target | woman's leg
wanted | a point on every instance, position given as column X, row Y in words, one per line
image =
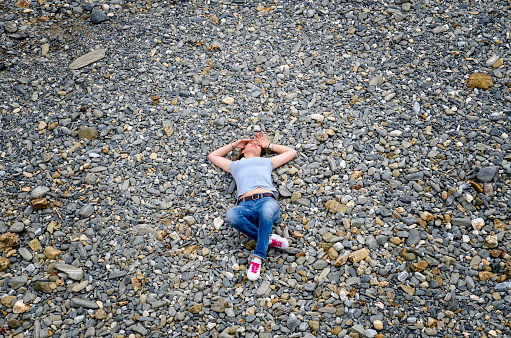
column 244, row 219
column 268, row 212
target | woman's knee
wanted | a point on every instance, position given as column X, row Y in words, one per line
column 232, row 216
column 271, row 210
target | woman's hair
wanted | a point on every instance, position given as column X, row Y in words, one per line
column 240, row 155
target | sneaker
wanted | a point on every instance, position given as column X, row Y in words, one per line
column 278, row 242
column 254, row 269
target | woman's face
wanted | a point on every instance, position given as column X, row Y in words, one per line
column 252, row 148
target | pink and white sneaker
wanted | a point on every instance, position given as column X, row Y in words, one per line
column 278, row 242
column 254, row 269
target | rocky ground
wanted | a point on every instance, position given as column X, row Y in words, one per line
column 397, row 205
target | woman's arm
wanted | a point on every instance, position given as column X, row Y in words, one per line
column 217, row 156
column 286, row 154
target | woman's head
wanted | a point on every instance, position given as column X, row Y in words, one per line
column 251, row 149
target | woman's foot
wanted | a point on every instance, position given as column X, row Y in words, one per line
column 254, row 269
column 278, row 242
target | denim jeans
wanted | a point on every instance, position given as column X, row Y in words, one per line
column 255, row 219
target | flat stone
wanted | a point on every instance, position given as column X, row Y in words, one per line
column 413, row 237
column 358, row 329
column 466, row 222
column 7, row 301
column 45, row 287
column 320, row 264
column 117, row 274
column 72, row 272
column 80, row 286
column 40, row 203
column 10, row 26
column 18, row 281
column 86, row 211
column 39, row 192
column 27, row 255
column 51, row 253
column 491, row 61
column 487, row 174
column 263, row 289
column 88, row 304
column 440, row 29
column 17, row 227
column 88, row 58
column 139, row 328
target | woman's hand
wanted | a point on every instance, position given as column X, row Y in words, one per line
column 241, row 143
column 261, row 140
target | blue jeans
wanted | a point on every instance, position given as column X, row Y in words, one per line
column 255, row 219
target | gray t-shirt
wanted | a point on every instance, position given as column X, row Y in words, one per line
column 251, row 173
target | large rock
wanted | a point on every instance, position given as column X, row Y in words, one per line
column 8, row 241
column 479, row 81
column 18, row 281
column 487, row 174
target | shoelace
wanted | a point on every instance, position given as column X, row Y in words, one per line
column 275, row 242
column 254, row 267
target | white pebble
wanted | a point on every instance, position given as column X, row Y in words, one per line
column 218, row 222
column 478, row 223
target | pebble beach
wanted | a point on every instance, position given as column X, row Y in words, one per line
column 397, row 207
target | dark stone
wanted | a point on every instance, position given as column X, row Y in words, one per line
column 486, row 174
column 98, row 17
